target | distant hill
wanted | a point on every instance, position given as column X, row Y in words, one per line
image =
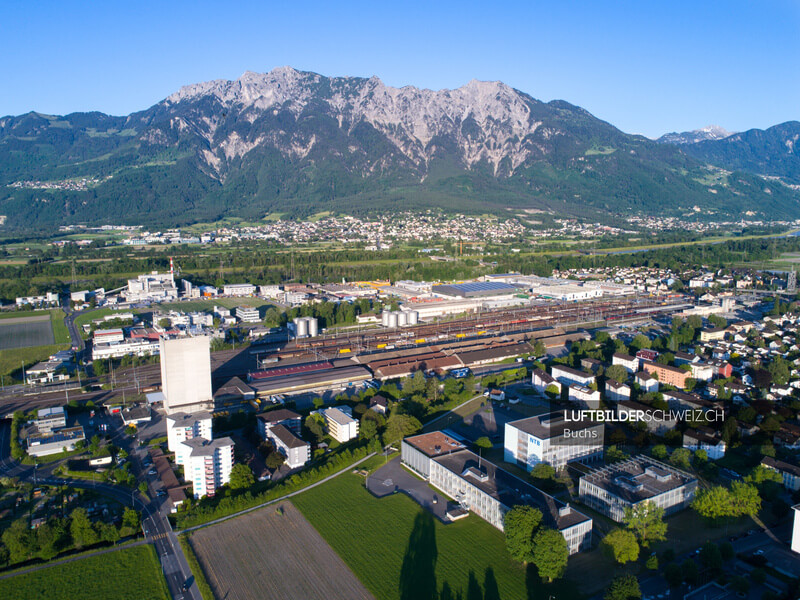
column 712, row 132
column 296, row 143
column 773, row 152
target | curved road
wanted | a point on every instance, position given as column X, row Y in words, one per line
column 155, row 523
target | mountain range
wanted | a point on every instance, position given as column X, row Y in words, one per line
column 296, row 143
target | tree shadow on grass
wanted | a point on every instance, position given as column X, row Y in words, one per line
column 418, row 573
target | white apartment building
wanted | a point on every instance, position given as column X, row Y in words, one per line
column 568, row 376
column 584, row 397
column 553, row 438
column 541, row 380
column 185, row 426
column 630, row 363
column 617, row 392
column 239, row 289
column 207, row 464
column 247, row 314
column 706, row 439
column 296, row 451
column 341, row 426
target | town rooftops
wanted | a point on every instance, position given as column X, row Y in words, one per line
column 779, row 465
column 278, row 416
column 550, row 425
column 234, row 387
column 703, row 435
column 508, row 489
column 639, row 478
column 203, row 447
column 52, row 412
column 571, row 371
column 183, row 419
column 435, row 443
column 625, row 357
column 289, row 439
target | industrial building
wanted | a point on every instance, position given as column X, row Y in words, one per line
column 487, row 490
column 186, row 374
column 44, row 444
column 554, row 438
column 153, row 287
column 614, row 488
column 475, row 289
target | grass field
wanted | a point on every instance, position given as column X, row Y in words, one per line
column 240, row 556
column 36, row 331
column 83, row 319
column 60, row 331
column 130, row 574
column 11, row 360
column 375, row 538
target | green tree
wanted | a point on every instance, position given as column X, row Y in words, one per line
column 241, row 477
column 710, row 556
column 318, row 403
column 673, row 575
column 624, row 587
column 543, row 471
column 368, row 429
column 621, row 545
column 550, row 554
column 19, row 540
column 690, row 571
column 400, row 426
column 745, row 499
column 316, row 426
column 659, row 451
column 646, row 521
column 130, row 519
column 652, row 562
column 681, row 457
column 617, row 373
column 109, row 533
column 484, row 443
column 520, row 525
column 274, row 460
column 713, row 503
column 81, row 529
column 552, row 391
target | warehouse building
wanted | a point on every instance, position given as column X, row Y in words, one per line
column 475, row 289
column 417, row 451
column 613, row 489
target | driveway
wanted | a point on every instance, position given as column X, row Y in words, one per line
column 393, row 478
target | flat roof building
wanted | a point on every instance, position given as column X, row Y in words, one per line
column 475, row 289
column 341, row 426
column 490, row 492
column 554, row 438
column 614, row 488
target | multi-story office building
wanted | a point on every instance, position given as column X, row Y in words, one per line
column 555, row 438
column 490, row 492
column 613, row 489
column 247, row 314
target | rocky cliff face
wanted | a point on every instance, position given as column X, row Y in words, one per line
column 482, row 121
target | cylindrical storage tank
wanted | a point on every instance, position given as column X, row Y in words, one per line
column 301, row 327
column 313, row 327
column 402, row 318
column 385, row 318
column 413, row 317
column 392, row 320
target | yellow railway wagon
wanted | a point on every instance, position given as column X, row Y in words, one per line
column 344, row 351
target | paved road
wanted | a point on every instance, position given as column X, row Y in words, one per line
column 155, row 523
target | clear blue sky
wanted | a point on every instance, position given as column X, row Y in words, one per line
column 646, row 66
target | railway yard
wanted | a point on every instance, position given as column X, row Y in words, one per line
column 336, row 361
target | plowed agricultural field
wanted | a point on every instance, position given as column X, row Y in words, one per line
column 267, row 555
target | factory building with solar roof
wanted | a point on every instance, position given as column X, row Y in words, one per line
column 475, row 289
